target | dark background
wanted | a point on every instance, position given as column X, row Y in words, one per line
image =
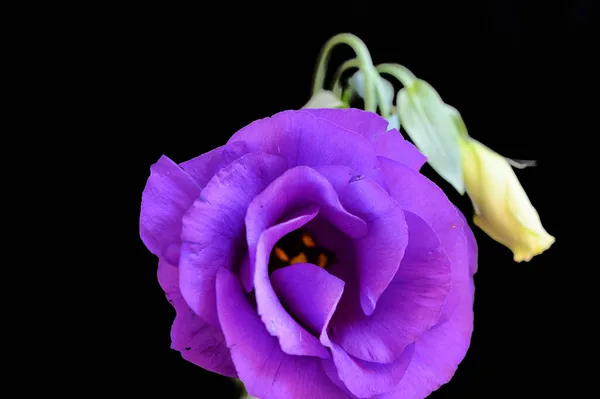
column 516, row 70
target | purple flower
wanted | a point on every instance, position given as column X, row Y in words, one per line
column 310, row 258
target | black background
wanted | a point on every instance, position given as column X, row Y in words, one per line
column 516, row 70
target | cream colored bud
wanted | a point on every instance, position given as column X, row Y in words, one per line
column 502, row 208
column 324, row 99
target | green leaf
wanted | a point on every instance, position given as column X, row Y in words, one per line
column 430, row 124
column 458, row 121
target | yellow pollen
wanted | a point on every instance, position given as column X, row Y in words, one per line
column 322, row 260
column 308, row 241
column 281, row 255
column 300, row 258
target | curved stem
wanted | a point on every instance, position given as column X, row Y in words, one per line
column 355, row 63
column 346, row 96
column 337, row 85
column 364, row 59
column 398, row 71
column 383, row 106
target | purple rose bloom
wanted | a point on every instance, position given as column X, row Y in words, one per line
column 309, row 258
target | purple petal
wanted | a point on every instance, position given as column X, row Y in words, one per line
column 293, row 338
column 213, row 228
column 267, row 372
column 365, row 379
column 439, row 350
column 246, row 274
column 416, row 194
column 304, row 139
column 232, row 152
column 379, row 253
column 438, row 353
column 197, row 341
column 309, row 293
column 295, row 189
column 392, row 145
column 168, row 194
column 411, row 305
column 203, row 167
column 332, row 373
column 374, row 128
column 471, row 244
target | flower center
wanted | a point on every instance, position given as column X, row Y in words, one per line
column 298, row 247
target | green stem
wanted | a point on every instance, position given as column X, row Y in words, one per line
column 383, row 106
column 355, row 63
column 337, row 84
column 398, row 71
column 364, row 59
column 346, row 96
